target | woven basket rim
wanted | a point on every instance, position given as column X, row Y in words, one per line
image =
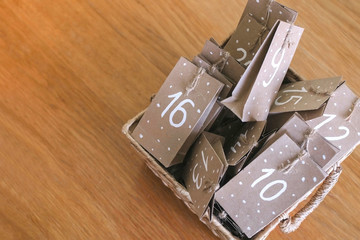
column 180, row 191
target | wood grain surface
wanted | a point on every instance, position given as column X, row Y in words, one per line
column 73, row 72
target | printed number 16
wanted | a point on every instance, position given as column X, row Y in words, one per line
column 179, row 107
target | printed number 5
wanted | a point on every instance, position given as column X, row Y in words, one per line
column 277, row 103
column 303, row 90
column 178, row 108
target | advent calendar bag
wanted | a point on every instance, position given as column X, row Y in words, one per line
column 178, row 109
column 257, row 20
column 284, row 170
column 253, row 95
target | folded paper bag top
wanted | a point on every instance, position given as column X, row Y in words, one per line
column 255, row 24
column 255, row 92
column 205, row 165
column 304, row 95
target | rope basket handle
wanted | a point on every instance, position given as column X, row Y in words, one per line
column 290, row 224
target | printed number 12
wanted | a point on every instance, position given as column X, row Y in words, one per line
column 330, row 117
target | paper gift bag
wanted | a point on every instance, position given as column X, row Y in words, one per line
column 255, row 24
column 205, row 165
column 176, row 115
column 337, row 123
column 304, row 95
column 307, row 98
column 255, row 92
column 311, row 142
column 261, row 192
column 220, row 65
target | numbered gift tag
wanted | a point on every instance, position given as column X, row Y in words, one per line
column 335, row 125
column 304, row 95
column 202, row 172
column 260, row 192
column 319, row 149
column 254, row 94
column 337, row 131
column 254, row 26
column 177, row 112
column 222, row 60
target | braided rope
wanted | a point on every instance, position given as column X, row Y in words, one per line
column 290, row 224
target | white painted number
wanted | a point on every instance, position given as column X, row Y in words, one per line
column 347, row 132
column 178, row 108
column 275, row 196
column 302, row 90
column 275, row 65
column 330, row 117
column 205, row 161
column 268, row 173
column 196, row 178
column 277, row 103
column 243, row 52
column 176, row 96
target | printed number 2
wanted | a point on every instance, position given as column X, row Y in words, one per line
column 196, row 179
column 243, row 51
column 330, row 117
column 268, row 173
column 179, row 107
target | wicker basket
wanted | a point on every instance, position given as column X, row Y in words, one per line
column 287, row 224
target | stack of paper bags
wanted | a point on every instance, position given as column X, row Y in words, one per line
column 239, row 132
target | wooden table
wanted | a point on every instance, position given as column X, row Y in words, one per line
column 73, row 72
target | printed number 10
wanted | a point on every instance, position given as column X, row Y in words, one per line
column 268, row 173
column 179, row 107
